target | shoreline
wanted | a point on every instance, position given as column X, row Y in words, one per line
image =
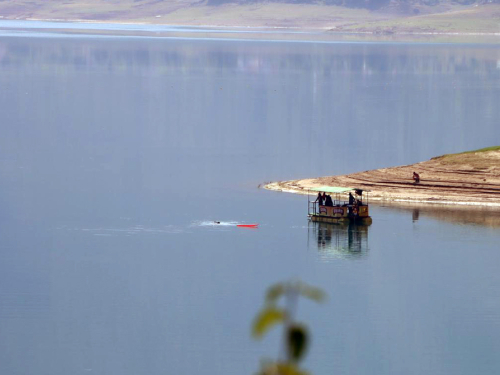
column 469, row 179
column 258, row 29
column 232, row 33
column 332, row 31
column 448, row 21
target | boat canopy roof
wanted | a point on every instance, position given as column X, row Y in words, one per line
column 332, row 189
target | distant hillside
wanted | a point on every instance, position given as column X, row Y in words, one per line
column 349, row 3
column 368, row 16
column 369, row 4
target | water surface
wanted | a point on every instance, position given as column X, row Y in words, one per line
column 116, row 155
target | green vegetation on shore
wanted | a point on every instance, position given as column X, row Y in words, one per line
column 486, row 149
column 492, row 148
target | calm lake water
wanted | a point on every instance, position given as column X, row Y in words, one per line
column 116, row 153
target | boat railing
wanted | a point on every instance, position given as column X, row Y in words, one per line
column 312, row 208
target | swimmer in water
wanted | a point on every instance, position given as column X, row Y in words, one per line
column 216, row 222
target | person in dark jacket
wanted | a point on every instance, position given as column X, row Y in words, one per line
column 319, row 199
column 351, row 199
column 328, row 201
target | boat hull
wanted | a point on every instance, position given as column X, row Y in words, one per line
column 367, row 220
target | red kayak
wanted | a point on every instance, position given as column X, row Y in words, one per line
column 247, row 225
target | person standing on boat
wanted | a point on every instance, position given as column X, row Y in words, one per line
column 351, row 198
column 328, row 201
column 319, row 199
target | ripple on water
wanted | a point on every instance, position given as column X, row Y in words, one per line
column 128, row 231
column 212, row 223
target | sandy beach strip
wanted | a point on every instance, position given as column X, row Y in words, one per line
column 470, row 179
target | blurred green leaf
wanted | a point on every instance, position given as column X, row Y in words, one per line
column 274, row 292
column 289, row 369
column 312, row 292
column 297, row 341
column 266, row 319
column 278, row 368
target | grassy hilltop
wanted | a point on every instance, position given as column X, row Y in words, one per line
column 372, row 16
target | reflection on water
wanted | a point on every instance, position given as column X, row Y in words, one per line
column 339, row 241
column 484, row 216
column 196, row 98
column 415, row 214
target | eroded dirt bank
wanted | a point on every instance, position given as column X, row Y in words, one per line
column 471, row 178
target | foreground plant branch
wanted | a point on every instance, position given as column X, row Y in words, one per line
column 295, row 334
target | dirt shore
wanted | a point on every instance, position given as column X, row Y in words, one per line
column 471, row 178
